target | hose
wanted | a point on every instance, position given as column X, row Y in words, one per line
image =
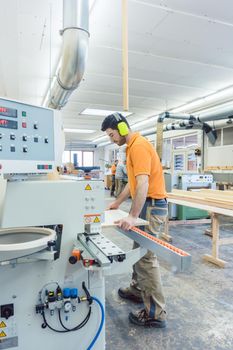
column 101, row 323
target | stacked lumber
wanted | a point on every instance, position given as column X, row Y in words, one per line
column 226, row 167
column 215, row 198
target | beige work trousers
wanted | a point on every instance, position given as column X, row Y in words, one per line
column 146, row 279
column 120, row 185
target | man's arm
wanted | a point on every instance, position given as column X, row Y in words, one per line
column 137, row 204
column 140, row 195
column 121, row 198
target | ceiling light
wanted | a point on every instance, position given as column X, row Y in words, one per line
column 102, row 112
column 188, row 106
column 80, row 131
column 101, row 138
column 227, row 92
column 104, row 144
column 144, row 122
column 219, row 94
column 148, row 130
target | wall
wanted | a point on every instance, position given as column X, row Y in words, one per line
column 221, row 154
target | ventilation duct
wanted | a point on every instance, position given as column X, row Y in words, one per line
column 74, row 51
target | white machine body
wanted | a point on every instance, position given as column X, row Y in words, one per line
column 42, row 203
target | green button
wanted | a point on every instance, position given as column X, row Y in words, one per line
column 24, row 114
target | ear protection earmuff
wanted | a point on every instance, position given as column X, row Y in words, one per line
column 121, row 125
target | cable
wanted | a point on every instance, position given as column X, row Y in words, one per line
column 82, row 324
column 101, row 323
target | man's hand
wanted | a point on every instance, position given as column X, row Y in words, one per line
column 113, row 205
column 126, row 223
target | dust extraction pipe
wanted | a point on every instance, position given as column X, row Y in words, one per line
column 74, row 51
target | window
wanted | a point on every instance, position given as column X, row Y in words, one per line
column 191, row 140
column 78, row 158
column 228, row 136
column 66, row 157
column 88, row 158
column 178, row 143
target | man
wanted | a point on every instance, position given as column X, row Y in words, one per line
column 121, row 175
column 113, row 171
column 147, row 189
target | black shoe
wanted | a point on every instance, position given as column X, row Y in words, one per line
column 141, row 318
column 126, row 293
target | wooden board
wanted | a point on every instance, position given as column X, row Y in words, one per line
column 117, row 214
column 208, row 197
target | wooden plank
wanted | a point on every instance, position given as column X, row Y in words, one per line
column 203, row 206
column 201, row 201
column 196, row 196
column 189, row 222
column 117, row 214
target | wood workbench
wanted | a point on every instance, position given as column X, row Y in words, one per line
column 217, row 203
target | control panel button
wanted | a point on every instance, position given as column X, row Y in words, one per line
column 24, row 138
column 24, row 114
column 12, row 136
column 25, row 149
column 46, row 140
column 24, row 125
column 36, row 139
column 35, row 126
column 0, row 148
column 12, row 149
column 0, row 136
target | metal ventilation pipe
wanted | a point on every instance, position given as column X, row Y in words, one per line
column 74, row 51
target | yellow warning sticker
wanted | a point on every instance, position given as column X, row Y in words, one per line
column 2, row 325
column 2, row 334
column 88, row 188
column 97, row 219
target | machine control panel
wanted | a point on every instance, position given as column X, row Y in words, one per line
column 26, row 138
column 191, row 178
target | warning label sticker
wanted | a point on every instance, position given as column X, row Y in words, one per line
column 91, row 218
column 88, row 188
column 2, row 334
column 2, row 324
column 97, row 219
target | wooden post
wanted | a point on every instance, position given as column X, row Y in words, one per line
column 215, row 243
column 125, row 55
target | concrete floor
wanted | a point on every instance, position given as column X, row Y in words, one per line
column 199, row 303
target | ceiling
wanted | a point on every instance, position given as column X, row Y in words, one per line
column 179, row 50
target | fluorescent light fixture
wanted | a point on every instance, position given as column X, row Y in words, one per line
column 220, row 94
column 148, row 130
column 80, row 131
column 102, row 112
column 104, row 144
column 101, row 138
column 144, row 122
column 188, row 106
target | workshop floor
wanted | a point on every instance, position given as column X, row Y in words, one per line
column 199, row 303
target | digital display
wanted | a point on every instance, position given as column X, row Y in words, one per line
column 8, row 112
column 8, row 124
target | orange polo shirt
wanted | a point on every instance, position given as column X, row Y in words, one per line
column 113, row 169
column 142, row 159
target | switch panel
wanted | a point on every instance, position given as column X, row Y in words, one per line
column 20, row 123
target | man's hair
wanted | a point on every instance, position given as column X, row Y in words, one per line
column 111, row 121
